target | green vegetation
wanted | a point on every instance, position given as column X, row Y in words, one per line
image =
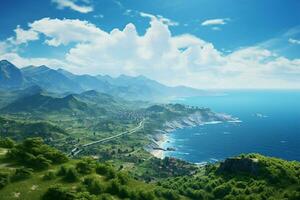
column 85, row 178
column 34, row 153
column 251, row 176
column 273, row 179
column 21, row 129
column 120, row 168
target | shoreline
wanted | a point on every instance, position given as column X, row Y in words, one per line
column 160, row 137
column 159, row 151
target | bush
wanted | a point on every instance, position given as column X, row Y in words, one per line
column 4, row 179
column 7, row 143
column 62, row 171
column 22, row 173
column 71, row 175
column 123, row 178
column 34, row 153
column 58, row 193
column 85, row 166
column 114, row 187
column 221, row 191
column 93, row 185
column 50, row 175
column 106, row 197
column 106, row 171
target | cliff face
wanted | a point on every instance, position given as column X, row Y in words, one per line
column 196, row 119
column 240, row 165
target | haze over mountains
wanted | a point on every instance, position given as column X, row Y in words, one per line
column 64, row 82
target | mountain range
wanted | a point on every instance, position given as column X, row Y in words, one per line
column 61, row 81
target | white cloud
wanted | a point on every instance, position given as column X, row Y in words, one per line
column 61, row 4
column 66, row 31
column 294, row 41
column 182, row 59
column 23, row 36
column 213, row 22
column 20, row 61
column 3, row 47
column 164, row 20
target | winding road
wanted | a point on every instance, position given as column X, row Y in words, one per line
column 77, row 150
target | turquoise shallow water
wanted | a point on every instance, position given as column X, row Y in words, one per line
column 270, row 126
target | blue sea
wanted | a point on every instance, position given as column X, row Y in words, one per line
column 270, row 126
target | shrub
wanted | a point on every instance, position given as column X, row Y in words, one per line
column 106, row 197
column 71, row 175
column 4, row 179
column 221, row 191
column 85, row 166
column 106, row 171
column 7, row 143
column 62, row 171
column 22, row 173
column 123, row 178
column 114, row 187
column 58, row 193
column 50, row 175
column 93, row 185
column 34, row 153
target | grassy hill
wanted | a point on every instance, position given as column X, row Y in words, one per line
column 20, row 130
column 251, row 176
column 45, row 104
column 64, row 179
column 44, row 176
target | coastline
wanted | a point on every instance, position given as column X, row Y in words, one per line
column 160, row 137
column 159, row 151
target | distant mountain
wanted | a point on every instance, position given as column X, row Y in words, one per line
column 10, row 75
column 64, row 82
column 143, row 88
column 42, row 103
column 86, row 103
column 131, row 88
column 94, row 97
column 50, row 79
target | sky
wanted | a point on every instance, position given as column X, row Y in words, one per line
column 199, row 43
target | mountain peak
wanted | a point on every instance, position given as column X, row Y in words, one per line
column 5, row 62
column 10, row 75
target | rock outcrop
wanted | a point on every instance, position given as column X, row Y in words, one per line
column 240, row 165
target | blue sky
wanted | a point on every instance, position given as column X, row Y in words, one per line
column 200, row 43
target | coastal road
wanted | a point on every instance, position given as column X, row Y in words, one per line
column 77, row 150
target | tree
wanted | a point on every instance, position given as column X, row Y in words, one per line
column 7, row 143
column 4, row 179
column 58, row 193
column 71, row 175
column 85, row 166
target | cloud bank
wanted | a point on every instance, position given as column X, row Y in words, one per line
column 174, row 60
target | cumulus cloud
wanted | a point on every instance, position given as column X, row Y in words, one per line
column 23, row 36
column 181, row 59
column 61, row 4
column 213, row 22
column 66, row 31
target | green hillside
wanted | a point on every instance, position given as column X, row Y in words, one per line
column 251, row 176
column 45, row 104
column 32, row 170
column 19, row 129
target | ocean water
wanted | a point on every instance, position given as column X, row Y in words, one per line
column 270, row 126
